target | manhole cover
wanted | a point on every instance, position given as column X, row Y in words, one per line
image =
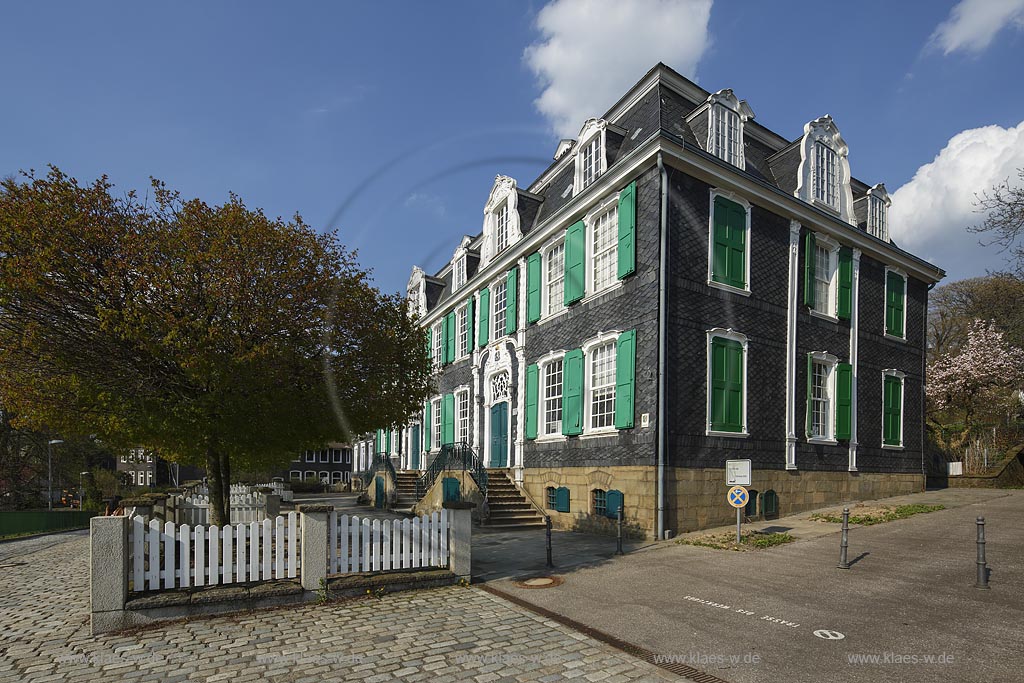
column 539, row 582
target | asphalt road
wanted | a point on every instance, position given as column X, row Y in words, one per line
column 747, row 617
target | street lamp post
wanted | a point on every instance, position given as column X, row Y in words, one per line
column 49, row 471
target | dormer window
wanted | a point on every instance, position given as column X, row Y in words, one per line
column 591, row 159
column 591, row 162
column 726, row 116
column 459, row 273
column 878, row 212
column 826, row 180
column 501, row 228
column 501, row 219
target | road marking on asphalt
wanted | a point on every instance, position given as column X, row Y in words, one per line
column 741, row 611
column 829, row 635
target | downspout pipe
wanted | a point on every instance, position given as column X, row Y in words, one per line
column 662, row 315
column 924, row 384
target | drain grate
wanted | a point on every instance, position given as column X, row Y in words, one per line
column 685, row 670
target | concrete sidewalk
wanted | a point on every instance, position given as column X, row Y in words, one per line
column 788, row 614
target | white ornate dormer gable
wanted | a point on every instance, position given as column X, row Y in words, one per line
column 591, row 157
column 459, row 271
column 726, row 116
column 823, row 178
column 501, row 219
column 416, row 292
column 878, row 212
column 564, row 146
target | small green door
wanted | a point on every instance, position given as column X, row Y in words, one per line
column 450, row 489
column 414, row 449
column 379, row 497
column 499, row 435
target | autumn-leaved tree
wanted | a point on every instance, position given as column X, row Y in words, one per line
column 213, row 334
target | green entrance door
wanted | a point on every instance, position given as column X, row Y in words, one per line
column 499, row 435
column 379, row 497
column 414, row 449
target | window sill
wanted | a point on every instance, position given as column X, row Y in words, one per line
column 598, row 433
column 728, row 288
column 552, row 316
column 550, row 438
column 823, row 316
column 607, row 290
column 735, row 435
column 895, row 338
column 891, row 447
column 825, row 205
column 823, row 441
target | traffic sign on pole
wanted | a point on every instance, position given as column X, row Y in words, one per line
column 738, row 496
column 737, row 472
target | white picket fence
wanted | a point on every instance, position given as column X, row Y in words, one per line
column 279, row 489
column 165, row 555
column 363, row 545
column 245, row 507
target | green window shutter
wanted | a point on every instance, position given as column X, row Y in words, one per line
column 844, row 400
column 627, row 230
column 810, row 394
column 810, row 244
column 470, row 324
column 449, row 337
column 625, row 379
column 844, row 304
column 561, row 499
column 894, row 289
column 448, row 419
column 726, row 385
column 575, row 255
column 533, row 288
column 613, row 501
column 892, row 395
column 387, row 441
column 427, row 432
column 485, row 313
column 511, row 290
column 376, row 442
column 532, row 391
column 572, row 393
column 729, row 251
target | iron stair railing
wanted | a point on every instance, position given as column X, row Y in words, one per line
column 453, row 456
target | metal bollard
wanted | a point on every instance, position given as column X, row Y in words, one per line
column 618, row 541
column 982, row 581
column 844, row 544
column 547, row 525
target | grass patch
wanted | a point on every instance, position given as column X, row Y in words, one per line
column 877, row 515
column 749, row 541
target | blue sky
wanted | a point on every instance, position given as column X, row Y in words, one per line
column 389, row 121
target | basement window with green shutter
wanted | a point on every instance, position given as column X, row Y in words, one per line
column 895, row 303
column 728, row 261
column 552, row 498
column 727, row 352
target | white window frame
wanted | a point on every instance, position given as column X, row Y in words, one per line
column 715, row 192
column 462, row 347
column 463, row 416
column 830, row 362
column 437, row 345
column 295, row 475
column 733, row 335
column 310, row 456
column 725, row 134
column 606, row 205
column 348, row 455
column 826, row 182
column 310, row 475
column 592, row 133
column 543, row 364
column 824, row 242
column 503, row 196
column 435, row 424
column 459, row 273
column 496, row 331
column 892, row 372
column 885, row 302
column 546, row 308
column 610, row 337
column 502, row 228
column 611, row 211
column 878, row 213
column 336, row 455
column 335, row 477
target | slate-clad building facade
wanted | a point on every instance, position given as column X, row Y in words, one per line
column 681, row 286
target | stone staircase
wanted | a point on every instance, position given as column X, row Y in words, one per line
column 509, row 508
column 406, row 490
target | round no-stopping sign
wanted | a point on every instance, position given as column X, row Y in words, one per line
column 737, row 496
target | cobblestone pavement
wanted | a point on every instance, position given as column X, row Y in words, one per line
column 447, row 634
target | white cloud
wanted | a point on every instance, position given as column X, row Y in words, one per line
column 591, row 51
column 930, row 214
column 426, row 203
column 972, row 24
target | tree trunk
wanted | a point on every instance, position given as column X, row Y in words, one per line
column 219, row 486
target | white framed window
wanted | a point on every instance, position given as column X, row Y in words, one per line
column 826, row 271
column 437, row 348
column 826, row 175
column 462, row 416
column 310, row 456
column 459, row 272
column 878, row 218
column 325, row 456
column 348, row 455
column 822, row 397
column 591, row 157
column 726, row 383
column 462, row 332
column 501, row 229
column 499, row 299
column 435, row 424
column 336, row 454
column 149, row 477
column 725, row 135
column 601, row 387
column 336, row 477
column 295, row 475
column 729, row 238
column 310, row 476
column 892, row 408
column 554, row 279
column 552, row 411
column 325, row 477
column 604, row 249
